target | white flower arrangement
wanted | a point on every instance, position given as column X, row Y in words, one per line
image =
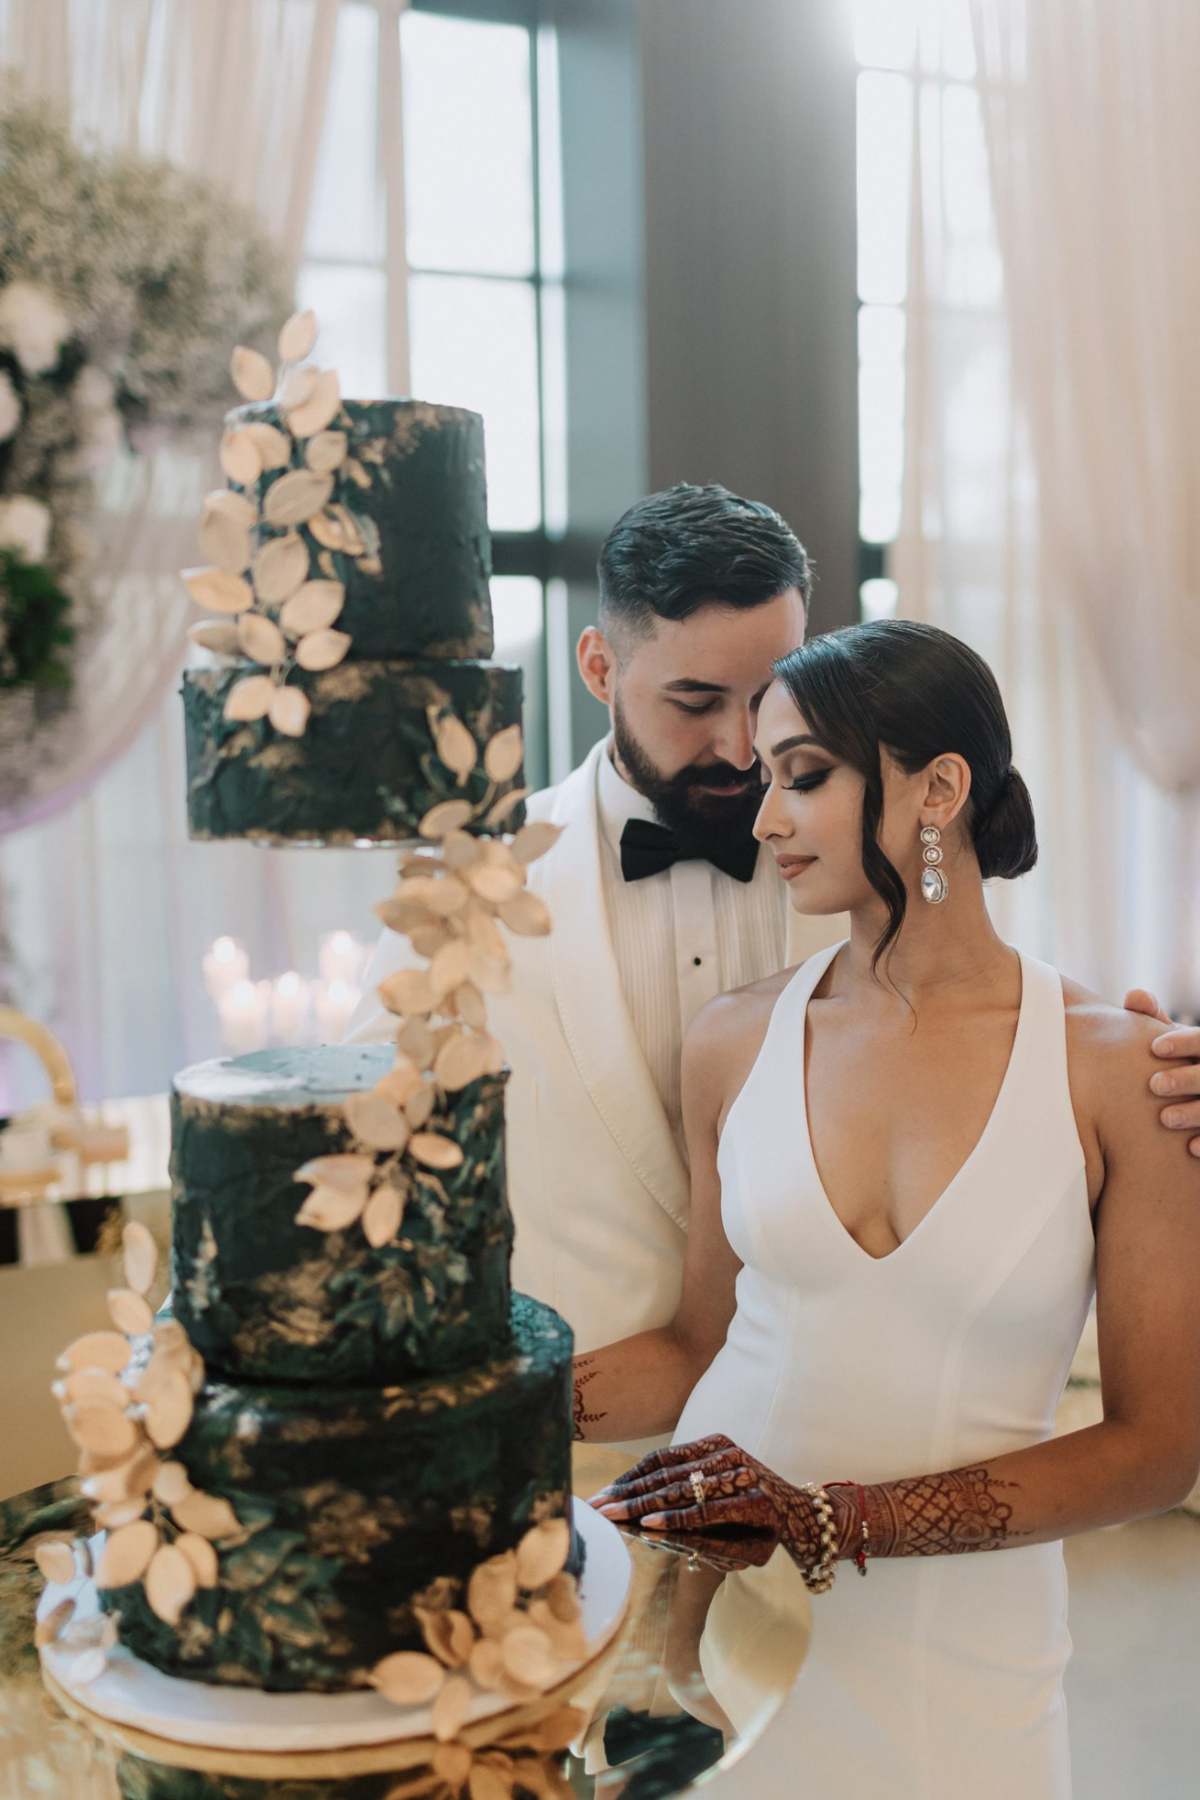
column 33, row 325
column 10, row 407
column 120, row 280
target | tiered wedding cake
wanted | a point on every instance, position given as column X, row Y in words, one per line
column 345, row 1458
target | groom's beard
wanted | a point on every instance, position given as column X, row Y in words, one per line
column 702, row 822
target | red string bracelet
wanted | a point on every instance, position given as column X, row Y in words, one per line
column 864, row 1547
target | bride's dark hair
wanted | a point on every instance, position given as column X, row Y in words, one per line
column 916, row 693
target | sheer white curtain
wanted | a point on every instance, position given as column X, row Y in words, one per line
column 232, row 92
column 992, row 494
column 1093, row 140
column 110, row 908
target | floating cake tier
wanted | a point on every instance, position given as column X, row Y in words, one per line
column 358, row 1503
column 366, row 769
column 405, row 527
column 264, row 1298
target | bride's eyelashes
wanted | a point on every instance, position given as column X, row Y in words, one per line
column 804, row 784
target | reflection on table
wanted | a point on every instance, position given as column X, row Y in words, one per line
column 53, row 1204
column 704, row 1660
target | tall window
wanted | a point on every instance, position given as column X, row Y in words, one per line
column 916, row 66
column 474, row 231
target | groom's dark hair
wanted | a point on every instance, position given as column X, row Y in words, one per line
column 690, row 547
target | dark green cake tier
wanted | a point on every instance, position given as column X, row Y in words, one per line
column 266, row 1299
column 366, row 769
column 419, row 586
column 359, row 1502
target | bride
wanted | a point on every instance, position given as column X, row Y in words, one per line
column 912, row 1159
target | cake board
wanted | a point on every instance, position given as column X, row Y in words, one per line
column 193, row 1724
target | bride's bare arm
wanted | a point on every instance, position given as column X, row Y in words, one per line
column 637, row 1387
column 1144, row 1456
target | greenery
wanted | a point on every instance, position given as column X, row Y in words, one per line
column 33, row 625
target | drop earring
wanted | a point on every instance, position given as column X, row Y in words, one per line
column 934, row 886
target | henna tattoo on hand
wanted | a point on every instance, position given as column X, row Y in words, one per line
column 940, row 1515
column 582, row 1416
column 927, row 1515
column 734, row 1489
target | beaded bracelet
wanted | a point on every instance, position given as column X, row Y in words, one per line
column 864, row 1545
column 820, row 1578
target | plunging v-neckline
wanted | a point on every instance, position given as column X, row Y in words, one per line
column 964, row 1167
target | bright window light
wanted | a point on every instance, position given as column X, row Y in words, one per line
column 881, row 333
column 474, row 343
column 885, row 33
column 878, row 598
column 350, row 303
column 884, row 159
column 468, row 145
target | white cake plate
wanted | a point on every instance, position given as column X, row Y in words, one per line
column 131, row 1692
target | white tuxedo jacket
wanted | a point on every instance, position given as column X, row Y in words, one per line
column 598, row 1188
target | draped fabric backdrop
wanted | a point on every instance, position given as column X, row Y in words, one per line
column 1052, row 468
column 109, row 906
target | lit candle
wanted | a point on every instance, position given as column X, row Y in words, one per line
column 289, row 1006
column 335, row 1001
column 243, row 1013
column 340, row 958
column 224, row 967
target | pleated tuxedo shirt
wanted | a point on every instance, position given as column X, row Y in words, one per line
column 681, row 937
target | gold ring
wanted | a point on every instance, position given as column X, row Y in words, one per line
column 697, row 1481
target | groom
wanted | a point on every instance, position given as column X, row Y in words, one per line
column 660, row 899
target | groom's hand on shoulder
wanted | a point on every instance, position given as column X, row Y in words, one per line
column 1178, row 1081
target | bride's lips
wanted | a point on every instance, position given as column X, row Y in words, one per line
column 791, row 866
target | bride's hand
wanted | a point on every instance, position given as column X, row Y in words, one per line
column 732, row 1488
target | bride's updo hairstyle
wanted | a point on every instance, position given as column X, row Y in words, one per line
column 914, row 693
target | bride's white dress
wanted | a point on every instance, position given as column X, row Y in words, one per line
column 937, row 1675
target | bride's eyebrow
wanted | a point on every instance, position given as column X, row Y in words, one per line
column 803, row 740
column 795, row 743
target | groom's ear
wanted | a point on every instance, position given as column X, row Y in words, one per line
column 597, row 664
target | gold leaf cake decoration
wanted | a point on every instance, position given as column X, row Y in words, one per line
column 520, row 1623
column 454, row 893
column 281, row 591
column 126, row 1396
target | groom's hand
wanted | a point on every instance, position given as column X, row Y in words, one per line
column 1179, row 1081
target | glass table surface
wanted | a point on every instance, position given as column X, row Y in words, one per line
column 713, row 1639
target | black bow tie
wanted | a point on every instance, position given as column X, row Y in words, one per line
column 648, row 849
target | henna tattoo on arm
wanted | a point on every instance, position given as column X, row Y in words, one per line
column 584, row 1372
column 928, row 1515
column 940, row 1515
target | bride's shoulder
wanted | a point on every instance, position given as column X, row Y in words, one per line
column 741, row 1008
column 1106, row 1044
column 726, row 1034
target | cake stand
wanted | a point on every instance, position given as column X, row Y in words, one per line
column 136, row 1706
